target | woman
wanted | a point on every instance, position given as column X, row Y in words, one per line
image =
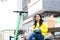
column 39, row 29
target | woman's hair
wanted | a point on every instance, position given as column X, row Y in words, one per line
column 40, row 22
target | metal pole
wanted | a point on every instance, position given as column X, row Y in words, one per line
column 21, row 14
column 18, row 24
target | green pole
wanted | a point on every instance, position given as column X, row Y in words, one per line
column 21, row 14
column 18, row 26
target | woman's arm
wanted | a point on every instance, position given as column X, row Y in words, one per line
column 32, row 28
column 44, row 28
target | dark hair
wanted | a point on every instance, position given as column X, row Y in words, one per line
column 40, row 22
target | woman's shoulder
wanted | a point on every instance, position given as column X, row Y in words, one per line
column 33, row 25
column 44, row 23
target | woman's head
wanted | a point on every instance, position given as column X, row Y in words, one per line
column 38, row 18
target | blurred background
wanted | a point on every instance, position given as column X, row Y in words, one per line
column 49, row 9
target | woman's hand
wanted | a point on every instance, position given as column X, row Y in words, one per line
column 37, row 30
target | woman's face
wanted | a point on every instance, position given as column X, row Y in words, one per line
column 37, row 18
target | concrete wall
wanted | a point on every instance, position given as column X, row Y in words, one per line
column 34, row 6
column 51, row 4
column 19, row 5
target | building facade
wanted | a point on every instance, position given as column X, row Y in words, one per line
column 46, row 8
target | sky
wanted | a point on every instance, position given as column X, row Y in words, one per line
column 8, row 19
